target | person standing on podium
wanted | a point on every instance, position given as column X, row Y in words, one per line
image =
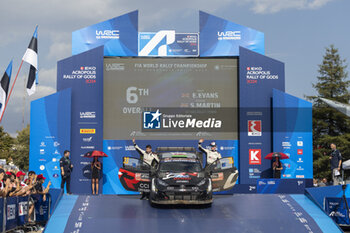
column 277, row 167
column 66, row 170
column 148, row 157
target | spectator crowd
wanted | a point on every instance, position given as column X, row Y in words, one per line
column 17, row 183
column 321, row 182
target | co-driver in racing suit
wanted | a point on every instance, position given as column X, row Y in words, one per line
column 212, row 154
column 148, row 157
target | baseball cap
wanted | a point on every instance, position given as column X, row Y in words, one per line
column 20, row 173
column 40, row 176
column 212, row 144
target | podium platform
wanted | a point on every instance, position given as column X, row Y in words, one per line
column 229, row 213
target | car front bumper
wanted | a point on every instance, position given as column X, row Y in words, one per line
column 191, row 198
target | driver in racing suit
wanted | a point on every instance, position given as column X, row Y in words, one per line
column 212, row 154
column 148, row 157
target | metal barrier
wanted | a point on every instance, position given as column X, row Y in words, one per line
column 14, row 211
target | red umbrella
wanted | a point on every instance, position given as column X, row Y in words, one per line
column 95, row 153
column 276, row 154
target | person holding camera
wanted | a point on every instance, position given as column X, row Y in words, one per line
column 336, row 160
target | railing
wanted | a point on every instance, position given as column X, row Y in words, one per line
column 14, row 211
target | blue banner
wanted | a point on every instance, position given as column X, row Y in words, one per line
column 118, row 35
column 219, row 37
column 22, row 210
column 84, row 74
column 258, row 75
column 2, row 203
column 117, row 149
column 50, row 119
column 292, row 134
column 335, row 207
column 282, row 186
column 11, row 213
column 168, row 43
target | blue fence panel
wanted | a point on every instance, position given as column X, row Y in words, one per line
column 2, row 202
column 41, row 207
column 22, row 210
column 14, row 210
column 11, row 213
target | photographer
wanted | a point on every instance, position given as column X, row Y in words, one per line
column 336, row 160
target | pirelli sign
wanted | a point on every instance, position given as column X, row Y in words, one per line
column 87, row 131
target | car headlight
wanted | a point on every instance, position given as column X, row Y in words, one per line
column 209, row 186
column 161, row 182
column 201, row 183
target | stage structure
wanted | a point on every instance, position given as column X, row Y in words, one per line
column 216, row 84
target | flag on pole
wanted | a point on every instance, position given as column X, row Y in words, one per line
column 4, row 87
column 31, row 57
column 343, row 108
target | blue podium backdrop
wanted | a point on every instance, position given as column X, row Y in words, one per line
column 220, row 37
column 117, row 149
column 84, row 74
column 292, row 134
column 168, row 43
column 258, row 75
column 118, row 35
column 50, row 130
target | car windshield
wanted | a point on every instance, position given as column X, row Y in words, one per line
column 180, row 167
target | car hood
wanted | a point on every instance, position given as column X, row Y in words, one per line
column 181, row 178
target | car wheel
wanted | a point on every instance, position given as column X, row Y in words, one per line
column 208, row 205
column 152, row 204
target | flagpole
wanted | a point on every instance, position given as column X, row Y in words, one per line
column 13, row 84
column 24, row 103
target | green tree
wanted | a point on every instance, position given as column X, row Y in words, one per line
column 330, row 125
column 20, row 154
column 6, row 144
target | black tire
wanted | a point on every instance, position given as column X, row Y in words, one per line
column 152, row 204
column 207, row 205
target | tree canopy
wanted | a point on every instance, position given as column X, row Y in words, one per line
column 329, row 125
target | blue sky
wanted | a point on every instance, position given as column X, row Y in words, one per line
column 296, row 33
